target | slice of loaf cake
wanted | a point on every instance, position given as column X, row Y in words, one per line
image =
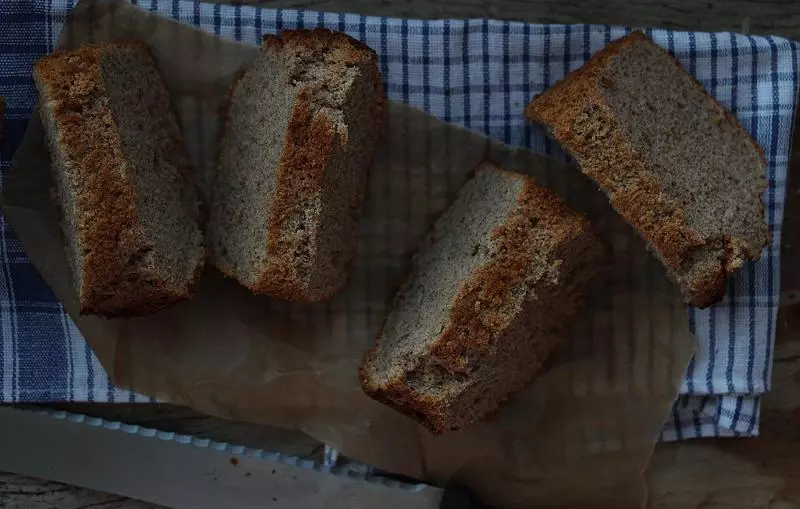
column 299, row 139
column 673, row 162
column 129, row 206
column 490, row 294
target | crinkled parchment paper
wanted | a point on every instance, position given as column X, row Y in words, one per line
column 581, row 434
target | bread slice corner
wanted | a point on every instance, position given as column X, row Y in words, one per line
column 130, row 213
column 489, row 296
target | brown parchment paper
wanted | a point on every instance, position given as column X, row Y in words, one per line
column 581, row 434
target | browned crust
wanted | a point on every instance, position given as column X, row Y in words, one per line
column 608, row 157
column 310, row 143
column 484, row 303
column 354, row 51
column 111, row 235
column 312, row 140
column 397, row 394
column 478, row 315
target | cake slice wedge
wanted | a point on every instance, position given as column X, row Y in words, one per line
column 490, row 295
column 298, row 143
column 130, row 212
column 674, row 163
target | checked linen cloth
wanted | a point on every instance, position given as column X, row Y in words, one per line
column 478, row 74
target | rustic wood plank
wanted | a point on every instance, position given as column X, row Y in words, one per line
column 740, row 473
column 20, row 492
column 778, row 17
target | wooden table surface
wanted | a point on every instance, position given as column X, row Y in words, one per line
column 722, row 473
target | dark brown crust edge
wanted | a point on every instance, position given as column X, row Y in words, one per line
column 111, row 286
column 399, row 396
column 311, row 141
column 468, row 335
column 451, row 348
column 560, row 107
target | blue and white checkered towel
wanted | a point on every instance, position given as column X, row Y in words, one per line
column 478, row 74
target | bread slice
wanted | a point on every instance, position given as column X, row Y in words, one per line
column 129, row 206
column 490, row 294
column 673, row 162
column 303, row 124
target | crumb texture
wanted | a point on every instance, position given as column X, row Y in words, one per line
column 129, row 207
column 299, row 138
column 673, row 161
column 487, row 300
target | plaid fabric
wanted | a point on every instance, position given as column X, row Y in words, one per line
column 478, row 74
